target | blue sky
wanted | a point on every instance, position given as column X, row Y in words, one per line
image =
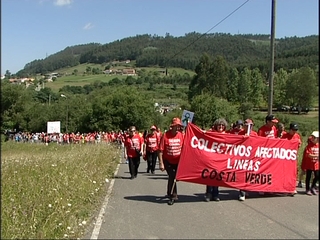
column 33, row 29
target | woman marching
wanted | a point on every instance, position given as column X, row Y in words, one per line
column 152, row 141
column 169, row 156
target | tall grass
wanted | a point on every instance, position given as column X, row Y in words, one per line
column 52, row 191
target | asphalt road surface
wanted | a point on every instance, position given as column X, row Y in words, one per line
column 137, row 209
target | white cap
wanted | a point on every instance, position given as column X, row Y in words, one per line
column 315, row 134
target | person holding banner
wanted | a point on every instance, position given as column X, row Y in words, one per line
column 212, row 192
column 169, row 155
column 310, row 163
column 248, row 128
column 269, row 130
column 292, row 135
column 237, row 129
column 247, row 131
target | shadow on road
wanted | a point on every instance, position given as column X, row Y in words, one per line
column 163, row 199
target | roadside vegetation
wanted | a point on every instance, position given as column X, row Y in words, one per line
column 52, row 192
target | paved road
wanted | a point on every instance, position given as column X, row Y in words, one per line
column 137, row 209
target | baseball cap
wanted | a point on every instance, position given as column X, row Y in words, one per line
column 239, row 122
column 248, row 122
column 271, row 118
column 175, row 122
column 294, row 126
column 315, row 134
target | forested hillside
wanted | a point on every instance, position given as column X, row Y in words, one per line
column 240, row 51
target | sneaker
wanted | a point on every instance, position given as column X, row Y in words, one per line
column 171, row 202
column 216, row 199
column 207, row 197
column 152, row 172
column 314, row 191
column 127, row 161
column 242, row 198
column 300, row 185
column 309, row 193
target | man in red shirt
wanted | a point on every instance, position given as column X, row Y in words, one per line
column 293, row 135
column 152, row 141
column 133, row 149
column 248, row 128
column 247, row 131
column 269, row 130
column 169, row 155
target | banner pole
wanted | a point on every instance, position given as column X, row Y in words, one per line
column 173, row 185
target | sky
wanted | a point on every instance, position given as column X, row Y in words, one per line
column 34, row 29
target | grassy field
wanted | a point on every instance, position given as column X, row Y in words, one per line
column 80, row 79
column 52, row 192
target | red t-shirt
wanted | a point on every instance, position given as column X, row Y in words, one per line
column 266, row 131
column 236, row 131
column 133, row 143
column 289, row 136
column 309, row 163
column 252, row 133
column 171, row 145
column 152, row 142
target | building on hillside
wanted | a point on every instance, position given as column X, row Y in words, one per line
column 108, row 71
column 129, row 72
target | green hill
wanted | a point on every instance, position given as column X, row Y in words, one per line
column 182, row 52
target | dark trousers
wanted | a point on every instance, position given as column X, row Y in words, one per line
column 214, row 190
column 134, row 166
column 151, row 160
column 308, row 178
column 171, row 171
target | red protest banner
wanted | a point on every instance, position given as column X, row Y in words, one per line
column 248, row 163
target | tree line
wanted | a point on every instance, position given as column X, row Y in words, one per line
column 216, row 90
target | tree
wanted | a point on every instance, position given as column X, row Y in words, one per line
column 218, row 78
column 7, row 74
column 280, row 88
column 208, row 108
column 302, row 87
column 257, row 85
column 244, row 86
column 232, row 85
column 200, row 82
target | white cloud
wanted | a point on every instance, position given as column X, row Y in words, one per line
column 62, row 2
column 88, row 26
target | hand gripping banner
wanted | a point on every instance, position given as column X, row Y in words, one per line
column 249, row 163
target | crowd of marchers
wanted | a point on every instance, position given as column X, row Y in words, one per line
column 167, row 146
column 69, row 138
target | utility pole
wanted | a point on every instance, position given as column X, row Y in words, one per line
column 273, row 26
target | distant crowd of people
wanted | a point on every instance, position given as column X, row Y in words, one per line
column 166, row 147
column 69, row 138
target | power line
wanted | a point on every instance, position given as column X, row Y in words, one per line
column 209, row 30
